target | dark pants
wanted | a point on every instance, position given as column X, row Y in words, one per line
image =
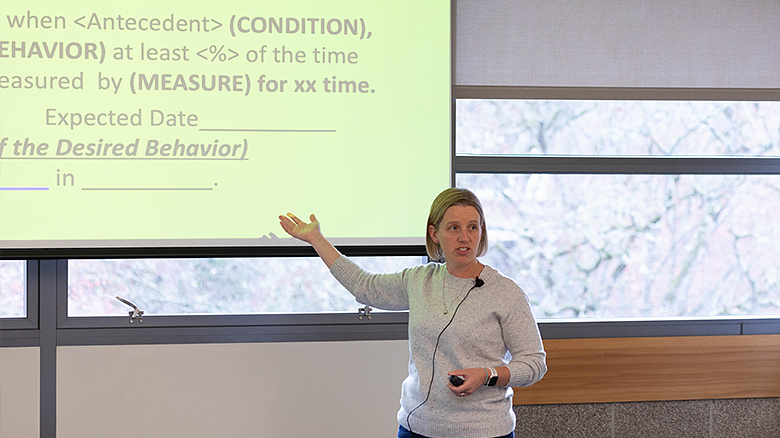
column 404, row 433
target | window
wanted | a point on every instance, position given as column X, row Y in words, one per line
column 617, row 128
column 636, row 245
column 214, row 286
column 12, row 289
column 599, row 235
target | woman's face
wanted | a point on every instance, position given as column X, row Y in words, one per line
column 459, row 234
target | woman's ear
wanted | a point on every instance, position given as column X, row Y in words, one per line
column 432, row 233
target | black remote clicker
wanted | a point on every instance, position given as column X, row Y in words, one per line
column 457, row 380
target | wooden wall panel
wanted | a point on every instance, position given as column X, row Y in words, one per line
column 651, row 369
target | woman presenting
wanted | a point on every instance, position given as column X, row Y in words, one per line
column 465, row 319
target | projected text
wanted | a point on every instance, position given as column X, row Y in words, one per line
column 234, row 106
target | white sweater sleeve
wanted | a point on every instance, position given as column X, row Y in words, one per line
column 383, row 291
column 521, row 336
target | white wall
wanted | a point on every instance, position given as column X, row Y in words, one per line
column 20, row 392
column 619, row 43
column 328, row 389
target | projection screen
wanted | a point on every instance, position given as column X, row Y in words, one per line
column 173, row 124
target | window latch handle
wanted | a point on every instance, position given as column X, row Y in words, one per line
column 364, row 311
column 136, row 313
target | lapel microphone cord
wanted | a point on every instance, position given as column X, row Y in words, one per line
column 478, row 282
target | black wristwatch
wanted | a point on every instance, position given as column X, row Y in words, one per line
column 493, row 378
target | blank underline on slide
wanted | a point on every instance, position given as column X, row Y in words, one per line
column 126, row 158
column 24, row 188
column 267, row 130
column 147, row 188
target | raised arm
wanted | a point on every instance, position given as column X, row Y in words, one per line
column 311, row 234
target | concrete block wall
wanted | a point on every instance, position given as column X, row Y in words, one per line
column 730, row 418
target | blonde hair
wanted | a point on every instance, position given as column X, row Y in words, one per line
column 445, row 200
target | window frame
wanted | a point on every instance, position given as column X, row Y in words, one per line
column 236, row 328
column 551, row 164
column 23, row 331
column 393, row 325
column 345, row 326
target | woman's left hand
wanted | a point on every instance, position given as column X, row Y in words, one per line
column 474, row 378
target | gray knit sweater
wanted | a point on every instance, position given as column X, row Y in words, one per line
column 493, row 327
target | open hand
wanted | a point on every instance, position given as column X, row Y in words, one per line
column 299, row 229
